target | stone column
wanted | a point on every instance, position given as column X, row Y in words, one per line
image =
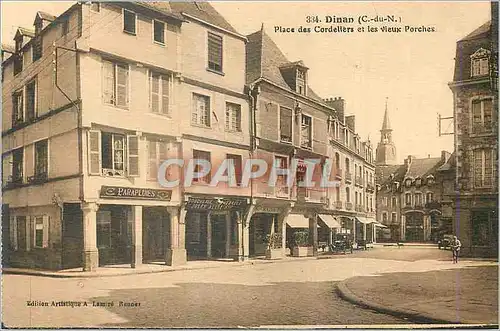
column 403, row 228
column 90, row 251
column 281, row 219
column 209, row 236
column 313, row 232
column 364, row 231
column 246, row 232
column 136, row 236
column 228, row 234
column 239, row 223
column 427, row 228
column 330, row 238
column 176, row 253
column 353, row 230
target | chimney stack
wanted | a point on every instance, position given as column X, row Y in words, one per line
column 445, row 156
column 339, row 104
column 350, row 122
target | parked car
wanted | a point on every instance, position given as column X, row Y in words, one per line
column 445, row 241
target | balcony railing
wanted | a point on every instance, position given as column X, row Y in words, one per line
column 348, row 177
column 281, row 191
column 370, row 187
column 360, row 208
column 358, row 181
column 338, row 204
column 311, row 194
column 348, row 205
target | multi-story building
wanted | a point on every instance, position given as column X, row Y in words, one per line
column 410, row 196
column 475, row 100
column 94, row 101
column 290, row 121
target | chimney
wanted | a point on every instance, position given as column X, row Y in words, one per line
column 408, row 160
column 339, row 104
column 350, row 122
column 445, row 156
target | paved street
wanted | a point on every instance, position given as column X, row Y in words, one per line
column 300, row 292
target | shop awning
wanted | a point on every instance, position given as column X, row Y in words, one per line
column 363, row 220
column 330, row 221
column 297, row 221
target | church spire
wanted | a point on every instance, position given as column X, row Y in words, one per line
column 386, row 124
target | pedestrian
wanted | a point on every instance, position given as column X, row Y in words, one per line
column 455, row 248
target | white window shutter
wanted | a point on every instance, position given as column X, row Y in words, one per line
column 7, row 168
column 152, row 160
column 94, row 155
column 108, row 82
column 122, row 76
column 46, row 230
column 165, row 101
column 13, row 232
column 133, row 156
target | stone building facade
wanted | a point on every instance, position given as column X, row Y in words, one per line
column 475, row 100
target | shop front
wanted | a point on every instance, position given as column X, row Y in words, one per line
column 414, row 229
column 214, row 227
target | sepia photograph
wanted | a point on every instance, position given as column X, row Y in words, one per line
column 249, row 164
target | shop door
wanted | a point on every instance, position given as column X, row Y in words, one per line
column 155, row 233
column 219, row 236
column 72, row 236
column 114, row 234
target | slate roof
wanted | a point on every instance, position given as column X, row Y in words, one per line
column 382, row 173
column 264, row 60
column 423, row 167
column 8, row 48
column 201, row 10
column 46, row 16
column 481, row 32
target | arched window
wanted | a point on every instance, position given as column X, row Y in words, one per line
column 337, row 161
column 347, row 194
column 347, row 165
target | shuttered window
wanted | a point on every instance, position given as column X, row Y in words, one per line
column 483, row 168
column 214, row 52
column 237, row 164
column 159, row 96
column 31, row 100
column 115, row 84
column 17, row 108
column 18, row 165
column 41, row 159
column 201, row 155
column 306, row 132
column 13, row 233
column 158, row 152
column 285, row 124
column 94, row 144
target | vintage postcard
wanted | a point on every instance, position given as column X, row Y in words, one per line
column 249, row 164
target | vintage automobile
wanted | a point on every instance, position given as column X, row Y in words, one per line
column 445, row 241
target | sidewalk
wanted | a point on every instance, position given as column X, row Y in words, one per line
column 125, row 269
column 460, row 295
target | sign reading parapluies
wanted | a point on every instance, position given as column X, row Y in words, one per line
column 116, row 192
column 195, row 203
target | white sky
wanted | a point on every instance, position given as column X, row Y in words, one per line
column 412, row 70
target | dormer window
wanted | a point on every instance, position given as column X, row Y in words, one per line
column 418, row 182
column 480, row 63
column 408, row 182
column 301, row 82
column 430, row 180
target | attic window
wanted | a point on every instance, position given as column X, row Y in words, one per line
column 408, row 182
column 214, row 52
column 301, row 82
column 418, row 182
column 430, row 180
column 480, row 63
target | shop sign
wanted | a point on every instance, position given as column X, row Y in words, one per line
column 270, row 210
column 214, row 204
column 116, row 192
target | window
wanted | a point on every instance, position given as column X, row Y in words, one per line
column 159, row 32
column 347, row 166
column 281, row 182
column 237, row 163
column 482, row 111
column 408, row 182
column 159, row 93
column 347, row 194
column 95, row 6
column 115, row 84
column 201, row 110
column 394, row 217
column 233, row 117
column 22, row 235
column 129, row 21
column 418, row 199
column 201, row 155
column 408, row 199
column 285, row 124
column 18, row 63
column 18, row 165
column 214, row 52
column 482, row 228
column 36, row 48
column 17, row 108
column 111, row 154
column 306, row 132
column 41, row 231
column 103, row 229
column 337, row 193
column 31, row 100
column 384, row 201
column 393, row 202
column 64, row 27
column 384, row 217
column 301, row 82
column 41, row 159
column 479, row 63
column 483, row 168
column 158, row 152
column 429, row 197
